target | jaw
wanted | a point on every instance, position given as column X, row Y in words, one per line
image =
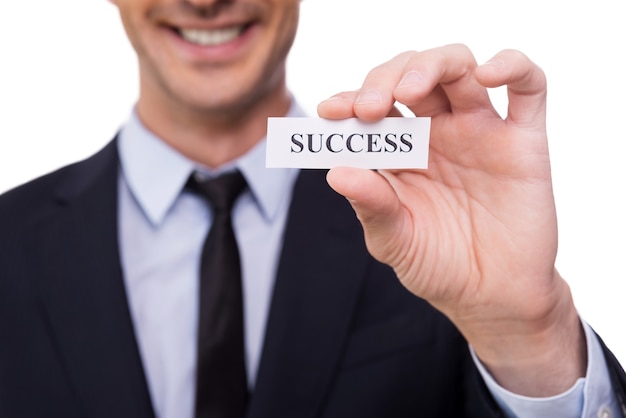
column 220, row 62
column 212, row 78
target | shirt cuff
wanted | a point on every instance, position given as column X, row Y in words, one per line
column 591, row 396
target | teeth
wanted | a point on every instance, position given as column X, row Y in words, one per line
column 211, row 37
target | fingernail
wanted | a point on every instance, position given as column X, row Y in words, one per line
column 411, row 78
column 369, row 97
column 497, row 63
column 335, row 97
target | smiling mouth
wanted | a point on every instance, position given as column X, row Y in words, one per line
column 212, row 37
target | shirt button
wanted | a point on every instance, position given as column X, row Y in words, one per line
column 604, row 413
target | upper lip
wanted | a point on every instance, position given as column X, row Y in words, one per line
column 225, row 19
column 202, row 24
column 178, row 17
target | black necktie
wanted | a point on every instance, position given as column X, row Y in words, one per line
column 221, row 384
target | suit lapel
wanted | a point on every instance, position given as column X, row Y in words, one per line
column 322, row 263
column 83, row 292
column 83, row 296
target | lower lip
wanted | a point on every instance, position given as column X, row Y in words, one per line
column 215, row 53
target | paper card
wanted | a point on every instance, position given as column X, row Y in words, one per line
column 322, row 143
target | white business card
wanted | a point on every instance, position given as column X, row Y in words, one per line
column 321, row 143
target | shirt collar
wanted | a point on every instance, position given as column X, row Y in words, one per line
column 156, row 173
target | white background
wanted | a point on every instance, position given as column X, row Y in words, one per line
column 68, row 80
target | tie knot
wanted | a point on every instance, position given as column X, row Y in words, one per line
column 220, row 191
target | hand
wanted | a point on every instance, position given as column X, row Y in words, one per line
column 475, row 234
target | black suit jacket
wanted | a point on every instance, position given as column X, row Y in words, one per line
column 344, row 338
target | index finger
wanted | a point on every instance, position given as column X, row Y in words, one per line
column 374, row 100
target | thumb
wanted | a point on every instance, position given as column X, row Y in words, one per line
column 376, row 205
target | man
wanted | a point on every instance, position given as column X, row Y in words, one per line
column 99, row 261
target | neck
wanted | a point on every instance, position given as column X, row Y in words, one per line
column 209, row 137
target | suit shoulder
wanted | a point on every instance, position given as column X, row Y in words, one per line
column 35, row 196
column 30, row 195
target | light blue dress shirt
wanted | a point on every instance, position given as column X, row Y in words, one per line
column 161, row 230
